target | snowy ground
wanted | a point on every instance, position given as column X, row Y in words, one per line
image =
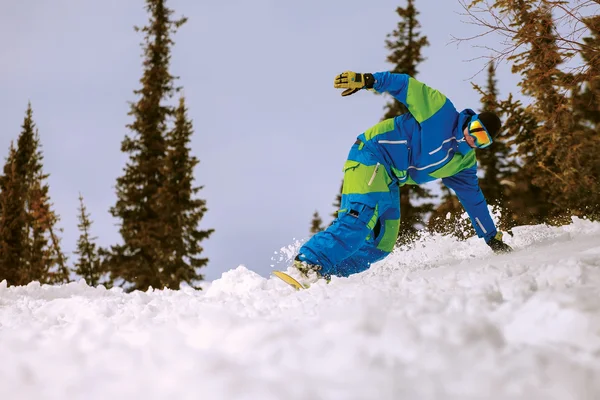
column 446, row 320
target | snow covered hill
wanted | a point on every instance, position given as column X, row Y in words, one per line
column 446, row 320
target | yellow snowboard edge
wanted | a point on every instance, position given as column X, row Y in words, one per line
column 288, row 279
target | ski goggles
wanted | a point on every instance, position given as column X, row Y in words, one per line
column 478, row 132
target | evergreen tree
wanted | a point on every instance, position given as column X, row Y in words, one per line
column 586, row 105
column 559, row 153
column 142, row 260
column 498, row 166
column 42, row 258
column 406, row 44
column 46, row 257
column 45, row 260
column 586, row 102
column 496, row 163
column 316, row 224
column 12, row 222
column 525, row 203
column 183, row 212
column 88, row 264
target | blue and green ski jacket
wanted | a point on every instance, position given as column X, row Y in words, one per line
column 427, row 143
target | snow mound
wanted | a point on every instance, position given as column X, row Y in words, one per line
column 444, row 319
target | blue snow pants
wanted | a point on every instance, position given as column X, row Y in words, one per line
column 366, row 228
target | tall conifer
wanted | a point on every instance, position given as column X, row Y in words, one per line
column 42, row 258
column 144, row 258
column 88, row 264
column 525, row 203
column 183, row 211
column 558, row 154
column 12, row 222
column 316, row 224
column 495, row 161
column 406, row 44
column 586, row 106
column 587, row 100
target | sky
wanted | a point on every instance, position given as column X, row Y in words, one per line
column 271, row 132
column 447, row 320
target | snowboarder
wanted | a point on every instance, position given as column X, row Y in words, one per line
column 431, row 141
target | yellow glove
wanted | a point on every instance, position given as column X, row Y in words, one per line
column 353, row 82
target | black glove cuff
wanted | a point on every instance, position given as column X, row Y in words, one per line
column 498, row 246
column 369, row 80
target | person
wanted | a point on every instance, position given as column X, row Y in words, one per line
column 431, row 141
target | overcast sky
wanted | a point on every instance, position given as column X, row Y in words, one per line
column 271, row 132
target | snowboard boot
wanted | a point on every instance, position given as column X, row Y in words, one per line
column 309, row 272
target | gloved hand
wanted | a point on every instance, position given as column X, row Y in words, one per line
column 353, row 82
column 498, row 246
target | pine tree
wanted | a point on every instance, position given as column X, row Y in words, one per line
column 525, row 203
column 586, row 102
column 41, row 256
column 46, row 257
column 559, row 154
column 183, row 212
column 406, row 44
column 586, row 106
column 498, row 168
column 498, row 162
column 88, row 264
column 139, row 262
column 12, row 222
column 45, row 260
column 316, row 225
column 494, row 161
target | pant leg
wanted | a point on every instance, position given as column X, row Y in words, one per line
column 366, row 191
column 360, row 261
column 340, row 240
column 381, row 241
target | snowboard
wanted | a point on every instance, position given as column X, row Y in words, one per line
column 289, row 280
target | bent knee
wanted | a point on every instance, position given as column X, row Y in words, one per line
column 359, row 214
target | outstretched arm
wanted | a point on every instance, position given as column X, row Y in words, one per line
column 466, row 186
column 421, row 100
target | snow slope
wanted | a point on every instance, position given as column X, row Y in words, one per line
column 445, row 320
